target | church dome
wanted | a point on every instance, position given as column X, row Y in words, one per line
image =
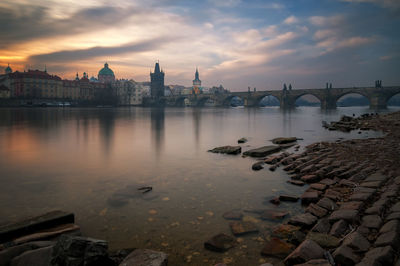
column 8, row 69
column 106, row 71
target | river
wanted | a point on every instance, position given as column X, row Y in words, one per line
column 82, row 160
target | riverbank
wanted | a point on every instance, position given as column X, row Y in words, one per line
column 351, row 205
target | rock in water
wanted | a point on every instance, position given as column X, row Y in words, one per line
column 284, row 140
column 220, row 243
column 227, row 150
column 242, row 140
column 242, row 228
column 257, row 166
column 277, row 248
column 145, row 257
column 262, row 151
column 76, row 250
column 307, row 250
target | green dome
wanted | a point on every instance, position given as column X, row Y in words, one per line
column 8, row 69
column 105, row 71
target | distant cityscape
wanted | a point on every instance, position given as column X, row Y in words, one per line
column 38, row 87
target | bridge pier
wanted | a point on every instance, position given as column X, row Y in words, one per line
column 328, row 103
column 377, row 102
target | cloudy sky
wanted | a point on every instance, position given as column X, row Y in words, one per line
column 236, row 43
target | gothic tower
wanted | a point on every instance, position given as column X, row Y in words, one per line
column 196, row 83
column 157, row 83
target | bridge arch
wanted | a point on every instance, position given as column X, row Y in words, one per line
column 352, row 99
column 182, row 101
column 297, row 98
column 228, row 100
column 393, row 99
column 203, row 100
column 269, row 100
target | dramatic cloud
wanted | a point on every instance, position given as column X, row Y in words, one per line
column 235, row 43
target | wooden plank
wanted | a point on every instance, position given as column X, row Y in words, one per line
column 31, row 225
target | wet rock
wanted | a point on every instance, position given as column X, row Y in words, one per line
column 233, row 215
column 327, row 203
column 288, row 198
column 8, row 254
column 357, row 242
column 328, row 181
column 345, row 256
column 396, row 207
column 284, row 140
column 220, row 243
column 324, row 240
column 257, row 166
column 378, row 256
column 275, row 201
column 297, row 237
column 388, row 239
column 339, row 228
column 227, row 150
column 277, row 248
column 242, row 228
column 296, row 182
column 285, row 230
column 309, row 197
column 347, row 215
column 378, row 206
column 372, row 184
column 273, row 167
column 75, row 250
column 310, row 178
column 242, row 140
column 352, row 205
column 306, row 251
column 393, row 216
column 322, row 226
column 145, row 257
column 303, row 220
column 333, row 194
column 371, row 221
column 318, row 186
column 262, row 151
column 360, row 196
column 316, row 210
column 272, row 160
column 37, row 257
column 273, row 215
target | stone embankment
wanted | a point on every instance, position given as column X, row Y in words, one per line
column 352, row 203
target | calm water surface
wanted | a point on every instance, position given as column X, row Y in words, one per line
column 90, row 161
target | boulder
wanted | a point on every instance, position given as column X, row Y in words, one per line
column 285, row 230
column 347, row 215
column 316, row 210
column 318, row 262
column 357, row 242
column 8, row 254
column 309, row 197
column 339, row 228
column 296, row 182
column 262, row 151
column 227, row 150
column 371, row 221
column 145, row 257
column 303, row 220
column 378, row 256
column 37, row 257
column 345, row 256
column 310, row 178
column 242, row 140
column 284, row 140
column 388, row 239
column 277, row 248
column 288, row 198
column 391, row 226
column 352, row 205
column 76, row 250
column 273, row 215
column 318, row 186
column 242, row 228
column 322, row 226
column 306, row 251
column 257, row 166
column 324, row 240
column 220, row 243
column 327, row 204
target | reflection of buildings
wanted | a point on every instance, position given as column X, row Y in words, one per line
column 157, row 128
column 39, row 85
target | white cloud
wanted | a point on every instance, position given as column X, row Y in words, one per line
column 291, row 20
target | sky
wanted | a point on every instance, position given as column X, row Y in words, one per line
column 236, row 43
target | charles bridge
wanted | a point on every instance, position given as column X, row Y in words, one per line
column 328, row 97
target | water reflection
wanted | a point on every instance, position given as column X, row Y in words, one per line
column 106, row 125
column 157, row 116
column 197, row 124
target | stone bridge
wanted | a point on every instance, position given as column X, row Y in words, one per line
column 378, row 97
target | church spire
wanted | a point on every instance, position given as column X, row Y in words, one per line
column 157, row 68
